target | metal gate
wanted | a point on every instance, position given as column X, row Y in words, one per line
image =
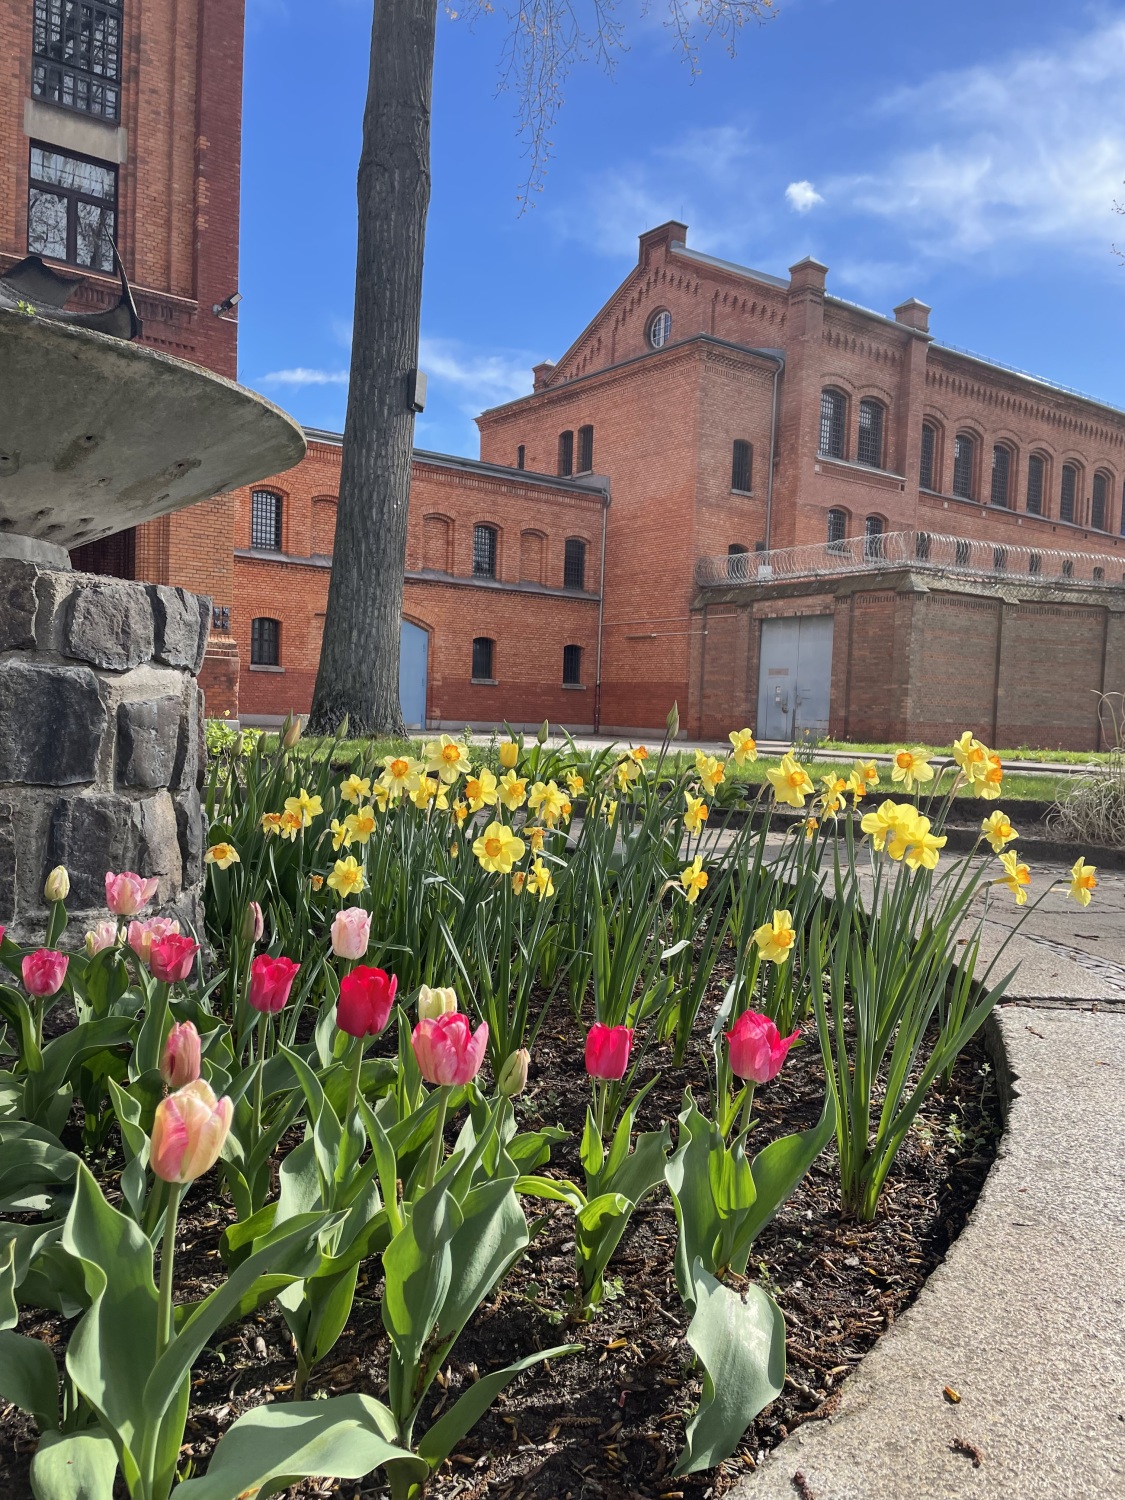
column 794, row 677
column 413, row 664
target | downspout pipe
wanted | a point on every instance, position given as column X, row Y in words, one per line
column 601, row 618
column 778, row 357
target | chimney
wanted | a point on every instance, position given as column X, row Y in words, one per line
column 661, row 238
column 541, row 374
column 913, row 314
column 807, row 275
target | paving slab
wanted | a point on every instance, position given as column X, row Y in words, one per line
column 1025, row 1319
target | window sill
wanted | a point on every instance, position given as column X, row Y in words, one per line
column 860, row 469
column 258, row 666
column 574, row 687
column 747, row 494
column 485, row 681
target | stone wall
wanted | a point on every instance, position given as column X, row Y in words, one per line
column 101, row 739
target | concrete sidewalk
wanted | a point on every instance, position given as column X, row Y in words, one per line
column 1025, row 1319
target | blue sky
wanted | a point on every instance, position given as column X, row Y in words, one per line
column 969, row 156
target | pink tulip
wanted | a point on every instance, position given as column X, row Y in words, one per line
column 351, row 932
column 259, row 921
column 188, row 1131
column 142, row 935
column 757, row 1050
column 607, row 1051
column 271, row 979
column 3, row 930
column 171, row 958
column 104, row 935
column 44, row 972
column 366, row 998
column 447, row 1049
column 127, row 894
column 180, row 1061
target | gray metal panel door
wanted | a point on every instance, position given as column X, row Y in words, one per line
column 413, row 662
column 794, row 677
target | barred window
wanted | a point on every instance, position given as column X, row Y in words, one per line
column 574, row 563
column 585, row 449
column 929, row 449
column 265, row 520
column 870, row 447
column 837, row 526
column 572, row 666
column 737, row 549
column 1099, row 575
column 484, row 551
column 566, row 454
column 71, row 208
column 1001, row 474
column 1035, row 472
column 76, row 55
column 922, row 546
column 742, row 465
column 833, row 419
column 1098, row 503
column 873, row 537
column 265, row 642
column 999, row 559
column 1034, row 563
column 963, row 450
column 961, row 554
column 521, row 452
column 1068, row 567
column 482, row 658
column 1068, row 492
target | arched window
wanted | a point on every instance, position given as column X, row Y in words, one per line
column 574, row 563
column 1068, row 567
column 521, row 454
column 833, row 423
column 1034, row 563
column 929, row 454
column 585, row 449
column 922, row 546
column 999, row 559
column 1036, row 472
column 566, row 454
column 964, row 449
column 1099, row 575
column 961, row 554
column 1068, row 492
column 265, row 520
column 1100, row 502
column 483, row 663
column 1001, row 474
column 660, row 328
column 484, row 551
column 265, row 642
column 736, row 549
column 869, row 449
column 837, row 526
column 572, row 666
column 873, row 537
column 742, row 465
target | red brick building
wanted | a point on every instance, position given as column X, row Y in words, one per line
column 120, row 123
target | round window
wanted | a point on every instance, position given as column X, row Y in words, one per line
column 660, row 329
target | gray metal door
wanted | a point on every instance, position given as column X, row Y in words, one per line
column 413, row 662
column 795, row 677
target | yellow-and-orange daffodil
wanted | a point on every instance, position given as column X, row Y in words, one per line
column 448, row 757
column 775, row 938
column 304, row 805
column 540, row 880
column 355, row 789
column 512, row 790
column 696, row 814
column 1083, row 880
column 361, row 824
column 910, row 767
column 497, row 849
column 347, row 877
column 400, row 774
column 900, row 829
column 971, row 756
column 998, row 830
column 790, row 781
column 223, row 855
column 575, row 784
column 271, row 823
column 832, row 800
column 744, row 747
column 694, row 879
column 710, row 770
column 548, row 802
column 341, row 834
column 1016, row 876
column 989, row 783
column 480, row 790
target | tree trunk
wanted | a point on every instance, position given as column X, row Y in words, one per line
column 358, row 672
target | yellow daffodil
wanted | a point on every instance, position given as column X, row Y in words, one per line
column 575, row 784
column 541, row 882
column 989, row 783
column 307, row 806
column 400, row 774
column 425, row 792
column 355, row 789
column 519, row 880
column 316, row 881
column 513, row 791
column 922, row 846
column 627, row 772
column 711, row 772
column 347, row 877
column 1015, row 876
column 565, row 810
column 790, row 781
column 610, row 810
column 535, row 837
column 811, row 825
column 271, row 823
column 887, row 822
column 1083, row 880
column 694, row 879
column 832, row 801
column 697, row 813
column 911, row 766
column 866, row 771
column 225, row 855
column 971, row 756
column 548, row 802
column 381, row 795
column 448, row 757
column 341, row 833
column 480, row 790
column 509, row 753
column 744, row 747
column 361, row 824
column 291, row 825
column 497, row 848
column 998, row 830
column 454, row 850
column 639, row 754
column 460, row 812
column 775, row 938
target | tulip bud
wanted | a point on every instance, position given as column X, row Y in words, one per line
column 436, row 1002
column 44, row 972
column 513, row 1075
column 188, row 1132
column 291, row 732
column 673, row 721
column 271, row 979
column 351, row 932
column 367, row 996
column 757, row 1049
column 58, row 885
column 253, row 923
column 104, row 935
column 544, row 731
column 179, row 1063
column 509, row 754
column 607, row 1051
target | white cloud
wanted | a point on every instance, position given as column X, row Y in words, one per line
column 802, row 196
column 301, row 376
column 485, row 379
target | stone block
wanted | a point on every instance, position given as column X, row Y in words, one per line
column 110, row 625
column 148, row 735
column 18, row 606
column 182, row 624
column 8, row 865
column 96, row 833
column 189, row 826
column 186, row 769
column 52, row 720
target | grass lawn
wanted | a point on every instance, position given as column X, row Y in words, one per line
column 1064, row 757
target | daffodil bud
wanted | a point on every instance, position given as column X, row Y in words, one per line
column 436, row 1002
column 513, row 1075
column 673, row 721
column 58, row 884
column 544, row 731
column 291, row 732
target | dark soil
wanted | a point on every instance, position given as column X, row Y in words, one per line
column 609, row 1421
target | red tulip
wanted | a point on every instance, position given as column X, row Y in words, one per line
column 366, row 998
column 448, row 1050
column 607, row 1050
column 44, row 972
column 179, row 1063
column 188, row 1131
column 271, row 979
column 757, row 1049
column 170, row 958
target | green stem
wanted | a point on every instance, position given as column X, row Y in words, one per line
column 153, row 1207
column 353, row 1083
column 437, row 1144
column 747, row 1106
column 167, row 1264
column 263, row 1022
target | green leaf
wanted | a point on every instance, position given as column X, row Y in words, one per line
column 688, row 1178
column 557, row 1189
column 272, row 1447
column 638, row 1174
column 591, row 1153
column 740, row 1341
column 9, row 1312
column 598, row 1227
column 64, row 1056
column 74, row 1466
column 444, row 1435
column 28, row 1377
column 418, row 1269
